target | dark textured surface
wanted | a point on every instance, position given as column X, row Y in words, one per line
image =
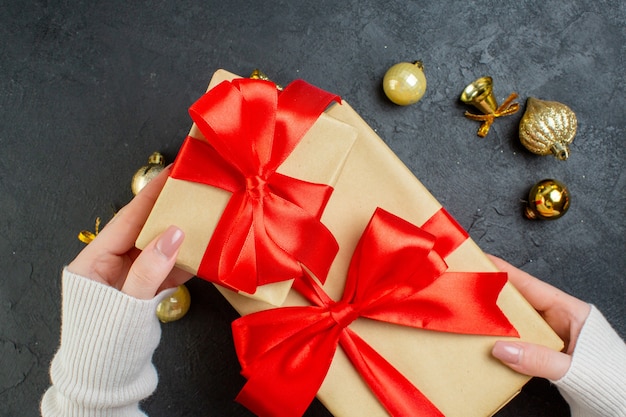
column 89, row 91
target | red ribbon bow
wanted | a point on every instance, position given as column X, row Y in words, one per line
column 271, row 223
column 396, row 275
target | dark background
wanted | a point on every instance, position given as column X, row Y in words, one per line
column 89, row 90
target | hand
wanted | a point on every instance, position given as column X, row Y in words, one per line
column 564, row 313
column 112, row 259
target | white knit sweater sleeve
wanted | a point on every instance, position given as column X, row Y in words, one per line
column 104, row 364
column 595, row 384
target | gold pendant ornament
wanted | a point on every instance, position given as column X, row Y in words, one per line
column 86, row 236
column 549, row 199
column 405, row 83
column 175, row 306
column 547, row 127
column 156, row 164
column 480, row 95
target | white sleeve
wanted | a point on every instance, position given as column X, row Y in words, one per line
column 104, row 364
column 595, row 384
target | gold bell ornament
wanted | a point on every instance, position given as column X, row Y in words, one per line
column 547, row 127
column 549, row 199
column 145, row 174
column 405, row 83
column 480, row 95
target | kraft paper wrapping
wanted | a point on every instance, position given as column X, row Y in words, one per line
column 456, row 372
column 197, row 208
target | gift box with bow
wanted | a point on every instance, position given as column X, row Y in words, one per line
column 250, row 183
column 430, row 332
column 397, row 276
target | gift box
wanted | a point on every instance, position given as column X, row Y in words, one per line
column 454, row 371
column 229, row 234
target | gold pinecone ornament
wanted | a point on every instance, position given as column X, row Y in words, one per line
column 547, row 127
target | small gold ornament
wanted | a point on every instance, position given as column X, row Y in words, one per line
column 257, row 74
column 145, row 174
column 175, row 306
column 549, row 199
column 547, row 127
column 86, row 236
column 480, row 95
column 405, row 83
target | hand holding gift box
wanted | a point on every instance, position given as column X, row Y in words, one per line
column 455, row 373
column 270, row 224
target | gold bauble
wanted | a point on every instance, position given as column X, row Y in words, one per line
column 405, row 83
column 145, row 174
column 549, row 199
column 547, row 127
column 257, row 74
column 175, row 306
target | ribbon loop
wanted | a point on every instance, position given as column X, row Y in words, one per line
column 267, row 228
column 286, row 352
column 505, row 109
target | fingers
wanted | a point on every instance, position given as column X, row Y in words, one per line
column 538, row 293
column 542, row 296
column 154, row 264
column 120, row 233
column 533, row 360
column 564, row 313
column 175, row 278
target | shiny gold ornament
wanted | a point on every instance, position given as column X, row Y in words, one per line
column 257, row 74
column 549, row 199
column 86, row 236
column 405, row 83
column 145, row 174
column 480, row 95
column 547, row 127
column 175, row 306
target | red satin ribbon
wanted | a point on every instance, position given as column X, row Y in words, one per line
column 271, row 223
column 396, row 276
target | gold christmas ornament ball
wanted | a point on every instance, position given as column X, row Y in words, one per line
column 549, row 199
column 405, row 83
column 175, row 306
column 257, row 74
column 145, row 174
column 547, row 127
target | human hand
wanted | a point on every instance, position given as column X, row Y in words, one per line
column 564, row 313
column 112, row 259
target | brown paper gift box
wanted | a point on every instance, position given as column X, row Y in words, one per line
column 456, row 372
column 196, row 208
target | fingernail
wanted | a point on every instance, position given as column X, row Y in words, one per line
column 507, row 352
column 170, row 241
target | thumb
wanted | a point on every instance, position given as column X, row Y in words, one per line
column 533, row 360
column 153, row 264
